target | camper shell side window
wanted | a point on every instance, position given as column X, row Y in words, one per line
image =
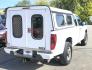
column 60, row 19
column 37, row 26
column 69, row 19
column 79, row 21
column 17, row 26
column 75, row 21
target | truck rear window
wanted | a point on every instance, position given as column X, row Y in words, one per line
column 17, row 26
column 37, row 26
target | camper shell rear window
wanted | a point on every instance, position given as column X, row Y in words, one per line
column 17, row 26
column 37, row 26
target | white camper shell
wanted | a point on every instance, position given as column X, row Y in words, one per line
column 40, row 30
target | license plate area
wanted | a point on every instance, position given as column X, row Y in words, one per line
column 26, row 52
column 32, row 53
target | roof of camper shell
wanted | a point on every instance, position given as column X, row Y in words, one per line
column 41, row 7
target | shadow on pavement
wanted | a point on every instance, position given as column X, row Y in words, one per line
column 9, row 62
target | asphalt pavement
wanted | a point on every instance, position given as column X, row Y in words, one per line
column 81, row 60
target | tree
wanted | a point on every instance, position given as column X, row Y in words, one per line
column 88, row 9
column 63, row 4
column 79, row 10
column 1, row 11
column 83, row 8
column 23, row 3
column 42, row 2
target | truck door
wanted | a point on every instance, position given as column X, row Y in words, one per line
column 16, row 28
column 81, row 29
column 37, row 29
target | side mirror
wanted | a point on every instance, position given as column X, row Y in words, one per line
column 84, row 23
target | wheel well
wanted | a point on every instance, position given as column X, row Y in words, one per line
column 69, row 39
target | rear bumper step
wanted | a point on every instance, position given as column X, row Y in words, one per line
column 30, row 49
column 30, row 54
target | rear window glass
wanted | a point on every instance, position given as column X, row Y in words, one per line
column 3, row 20
column 3, row 16
column 37, row 26
column 17, row 26
column 2, row 27
column 60, row 20
column 69, row 19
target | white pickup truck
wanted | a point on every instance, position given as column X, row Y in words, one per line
column 44, row 31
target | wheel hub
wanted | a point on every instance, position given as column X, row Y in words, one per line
column 69, row 53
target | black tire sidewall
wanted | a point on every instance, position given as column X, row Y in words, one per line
column 84, row 41
column 63, row 56
column 86, row 37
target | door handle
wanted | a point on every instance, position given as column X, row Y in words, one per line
column 29, row 30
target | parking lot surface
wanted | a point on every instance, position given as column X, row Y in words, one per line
column 81, row 60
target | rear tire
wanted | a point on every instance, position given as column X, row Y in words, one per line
column 84, row 41
column 66, row 57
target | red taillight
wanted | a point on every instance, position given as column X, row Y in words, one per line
column 53, row 41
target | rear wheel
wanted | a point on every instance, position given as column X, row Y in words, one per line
column 66, row 57
column 84, row 41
